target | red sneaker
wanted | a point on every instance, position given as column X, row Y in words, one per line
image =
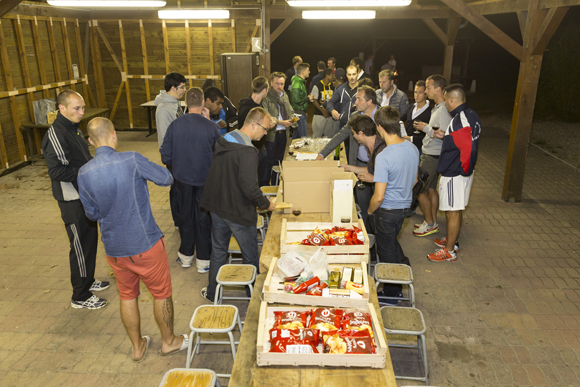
column 442, row 256
column 441, row 243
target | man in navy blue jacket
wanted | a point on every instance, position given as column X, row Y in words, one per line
column 456, row 166
column 188, row 147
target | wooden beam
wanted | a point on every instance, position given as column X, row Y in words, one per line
column 145, row 64
column 125, row 72
column 25, row 90
column 188, row 50
column 522, row 15
column 547, row 29
column 274, row 35
column 82, row 70
column 486, row 27
column 3, row 153
column 67, row 52
column 266, row 58
column 97, row 66
column 254, row 33
column 7, row 5
column 54, row 54
column 233, row 35
column 435, row 29
column 109, row 48
column 117, row 98
column 211, row 57
column 165, row 46
column 10, row 86
column 39, row 56
column 452, row 30
column 24, row 63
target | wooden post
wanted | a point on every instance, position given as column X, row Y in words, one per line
column 124, row 74
column 39, row 56
column 53, row 53
column 165, row 46
column 3, row 153
column 233, row 35
column 109, row 48
column 188, row 49
column 67, row 51
column 98, row 69
column 117, row 98
column 10, row 86
column 145, row 64
column 210, row 36
column 82, row 71
column 453, row 24
column 24, row 63
column 266, row 62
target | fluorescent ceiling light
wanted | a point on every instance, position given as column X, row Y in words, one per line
column 107, row 3
column 194, row 14
column 350, row 14
column 348, row 3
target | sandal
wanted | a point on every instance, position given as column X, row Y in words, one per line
column 184, row 346
column 147, row 344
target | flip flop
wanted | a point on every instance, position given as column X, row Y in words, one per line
column 184, row 346
column 149, row 340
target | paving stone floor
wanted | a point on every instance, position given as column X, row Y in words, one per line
column 507, row 312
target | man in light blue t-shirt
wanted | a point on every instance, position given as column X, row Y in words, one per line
column 395, row 175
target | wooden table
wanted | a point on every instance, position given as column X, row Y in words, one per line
column 150, row 105
column 29, row 127
column 246, row 371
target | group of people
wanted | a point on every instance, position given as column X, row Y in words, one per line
column 215, row 171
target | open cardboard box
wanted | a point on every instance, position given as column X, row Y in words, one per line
column 307, row 183
column 342, row 200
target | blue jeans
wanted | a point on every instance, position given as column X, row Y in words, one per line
column 388, row 224
column 221, row 232
column 302, row 130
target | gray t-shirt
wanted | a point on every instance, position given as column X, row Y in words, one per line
column 439, row 117
column 397, row 166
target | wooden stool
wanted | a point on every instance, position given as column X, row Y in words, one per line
column 234, row 248
column 234, row 275
column 276, row 170
column 184, row 377
column 212, row 319
column 261, row 226
column 395, row 273
column 407, row 321
column 269, row 190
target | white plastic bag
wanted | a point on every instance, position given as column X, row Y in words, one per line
column 292, row 264
column 319, row 264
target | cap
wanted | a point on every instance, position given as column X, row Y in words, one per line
column 339, row 73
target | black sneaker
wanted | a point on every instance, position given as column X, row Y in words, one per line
column 92, row 303
column 97, row 286
column 204, row 295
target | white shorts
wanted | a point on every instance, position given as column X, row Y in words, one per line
column 454, row 192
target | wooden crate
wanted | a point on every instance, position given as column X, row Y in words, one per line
column 265, row 358
column 297, row 231
column 274, row 290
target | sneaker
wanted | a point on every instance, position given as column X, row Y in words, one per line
column 417, row 225
column 92, row 303
column 202, row 265
column 184, row 260
column 204, row 295
column 443, row 242
column 97, row 286
column 425, row 230
column 442, row 256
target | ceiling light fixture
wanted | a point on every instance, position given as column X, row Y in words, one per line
column 350, row 14
column 190, row 14
column 348, row 3
column 107, row 3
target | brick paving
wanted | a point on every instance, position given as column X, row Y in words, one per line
column 507, row 312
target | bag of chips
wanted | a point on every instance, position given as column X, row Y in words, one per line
column 318, row 237
column 325, row 319
column 290, row 320
column 348, row 341
column 294, row 340
column 357, row 321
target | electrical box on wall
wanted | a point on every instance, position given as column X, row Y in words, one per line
column 256, row 44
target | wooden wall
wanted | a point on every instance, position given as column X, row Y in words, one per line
column 38, row 53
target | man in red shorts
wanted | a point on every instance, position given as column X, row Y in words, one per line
column 113, row 190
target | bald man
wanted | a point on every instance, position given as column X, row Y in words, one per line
column 66, row 151
column 113, row 190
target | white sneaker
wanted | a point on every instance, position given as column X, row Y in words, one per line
column 202, row 265
column 417, row 225
column 184, row 260
column 425, row 230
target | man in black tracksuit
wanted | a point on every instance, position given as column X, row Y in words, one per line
column 66, row 151
column 231, row 194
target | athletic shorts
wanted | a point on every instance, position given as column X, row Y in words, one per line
column 429, row 164
column 151, row 267
column 454, row 192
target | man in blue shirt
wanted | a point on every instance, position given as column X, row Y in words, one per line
column 113, row 190
column 395, row 176
column 188, row 146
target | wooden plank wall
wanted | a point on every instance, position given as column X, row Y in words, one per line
column 156, row 60
column 31, row 64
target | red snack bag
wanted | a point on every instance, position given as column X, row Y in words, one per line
column 290, row 320
column 358, row 237
column 357, row 321
column 306, row 242
column 294, row 340
column 317, row 290
column 306, row 286
column 325, row 319
column 349, row 342
column 318, row 237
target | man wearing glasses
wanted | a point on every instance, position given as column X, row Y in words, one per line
column 231, row 194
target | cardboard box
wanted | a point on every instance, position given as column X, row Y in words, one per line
column 307, row 183
column 341, row 195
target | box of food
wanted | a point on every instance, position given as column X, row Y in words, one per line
column 293, row 233
column 349, row 345
column 275, row 292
